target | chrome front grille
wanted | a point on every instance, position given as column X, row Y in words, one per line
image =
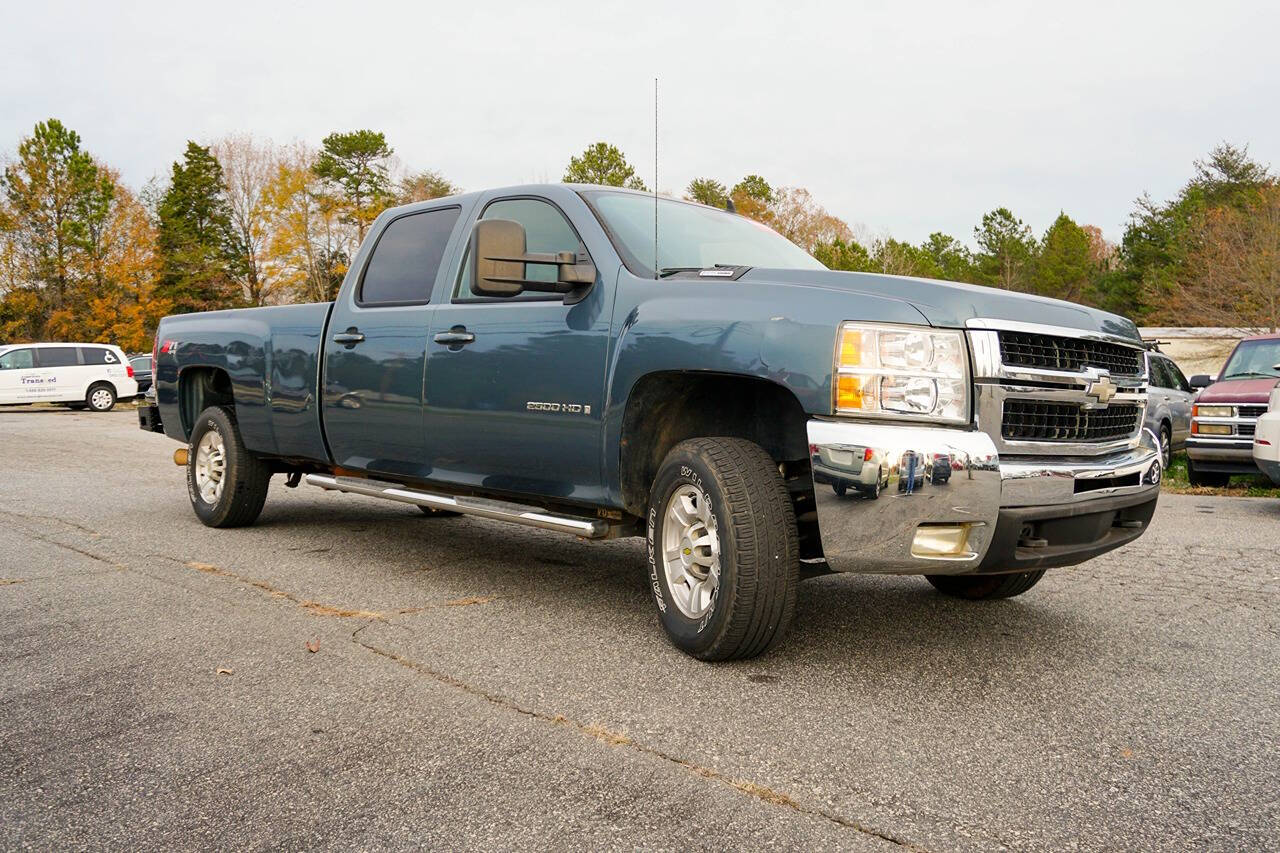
column 1043, row 390
column 1030, row 420
column 1254, row 412
column 1054, row 352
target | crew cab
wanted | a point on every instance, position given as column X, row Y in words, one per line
column 92, row 376
column 1226, row 412
column 535, row 355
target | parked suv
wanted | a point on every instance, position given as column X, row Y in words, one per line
column 78, row 375
column 1225, row 415
column 1169, row 400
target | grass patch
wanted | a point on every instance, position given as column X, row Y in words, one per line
column 1242, row 486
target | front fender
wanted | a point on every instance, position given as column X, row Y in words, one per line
column 782, row 334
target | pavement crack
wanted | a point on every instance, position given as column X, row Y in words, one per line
column 623, row 741
column 317, row 608
column 81, row 551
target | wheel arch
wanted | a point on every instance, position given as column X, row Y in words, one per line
column 200, row 387
column 665, row 408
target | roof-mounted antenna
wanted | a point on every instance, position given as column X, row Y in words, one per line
column 728, row 205
column 655, row 177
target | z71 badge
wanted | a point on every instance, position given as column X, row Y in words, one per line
column 558, row 408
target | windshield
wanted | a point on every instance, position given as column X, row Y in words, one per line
column 1253, row 360
column 690, row 235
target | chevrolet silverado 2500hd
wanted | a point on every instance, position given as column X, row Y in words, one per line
column 527, row 355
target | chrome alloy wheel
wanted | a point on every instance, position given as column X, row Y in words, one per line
column 210, row 466
column 691, row 551
column 100, row 399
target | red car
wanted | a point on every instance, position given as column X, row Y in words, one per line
column 1226, row 412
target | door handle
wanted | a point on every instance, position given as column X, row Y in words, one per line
column 456, row 337
column 350, row 337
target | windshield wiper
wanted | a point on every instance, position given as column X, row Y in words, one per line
column 666, row 271
column 725, row 271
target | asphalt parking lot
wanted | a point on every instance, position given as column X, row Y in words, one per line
column 479, row 684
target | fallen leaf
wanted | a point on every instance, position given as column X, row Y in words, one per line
column 313, row 645
column 1127, row 753
column 222, row 670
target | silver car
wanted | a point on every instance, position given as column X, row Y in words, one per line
column 1169, row 399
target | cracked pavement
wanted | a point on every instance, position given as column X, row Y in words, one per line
column 482, row 685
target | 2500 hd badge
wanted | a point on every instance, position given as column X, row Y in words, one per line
column 740, row 406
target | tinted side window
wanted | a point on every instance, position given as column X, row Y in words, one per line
column 142, row 362
column 57, row 357
column 17, row 359
column 1156, row 375
column 1176, row 376
column 98, row 355
column 405, row 260
column 545, row 230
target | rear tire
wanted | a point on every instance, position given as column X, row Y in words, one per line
column 723, row 549
column 874, row 491
column 100, row 397
column 226, row 483
column 985, row 587
column 1197, row 477
column 840, row 489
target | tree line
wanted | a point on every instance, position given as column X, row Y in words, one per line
column 246, row 222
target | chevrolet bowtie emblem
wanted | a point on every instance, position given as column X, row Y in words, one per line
column 1101, row 389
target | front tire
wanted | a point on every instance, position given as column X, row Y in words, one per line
column 985, row 587
column 723, row 549
column 1166, row 446
column 100, row 397
column 227, row 484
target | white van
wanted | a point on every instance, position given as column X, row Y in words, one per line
column 78, row 375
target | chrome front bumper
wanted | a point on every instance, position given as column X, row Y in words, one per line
column 1020, row 513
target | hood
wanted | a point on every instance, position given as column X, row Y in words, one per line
column 950, row 304
column 1238, row 391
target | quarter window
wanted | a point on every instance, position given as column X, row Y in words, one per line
column 17, row 359
column 98, row 355
column 545, row 230
column 406, row 258
column 58, row 357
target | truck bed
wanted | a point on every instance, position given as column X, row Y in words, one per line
column 272, row 355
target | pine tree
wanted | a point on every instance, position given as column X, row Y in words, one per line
column 1064, row 267
column 196, row 241
column 354, row 168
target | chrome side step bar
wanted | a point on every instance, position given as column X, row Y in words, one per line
column 584, row 526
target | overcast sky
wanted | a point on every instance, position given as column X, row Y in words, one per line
column 903, row 118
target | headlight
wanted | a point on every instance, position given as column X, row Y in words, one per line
column 901, row 371
column 1214, row 411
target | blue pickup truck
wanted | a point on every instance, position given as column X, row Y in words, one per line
column 530, row 355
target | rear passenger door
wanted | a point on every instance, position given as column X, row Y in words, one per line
column 375, row 354
column 62, row 378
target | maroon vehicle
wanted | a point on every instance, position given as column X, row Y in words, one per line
column 1226, row 412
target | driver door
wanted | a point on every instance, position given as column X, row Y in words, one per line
column 515, row 385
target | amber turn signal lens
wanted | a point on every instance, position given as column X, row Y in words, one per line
column 849, row 393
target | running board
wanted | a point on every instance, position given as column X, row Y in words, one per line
column 588, row 528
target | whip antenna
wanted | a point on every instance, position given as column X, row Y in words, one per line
column 655, row 177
